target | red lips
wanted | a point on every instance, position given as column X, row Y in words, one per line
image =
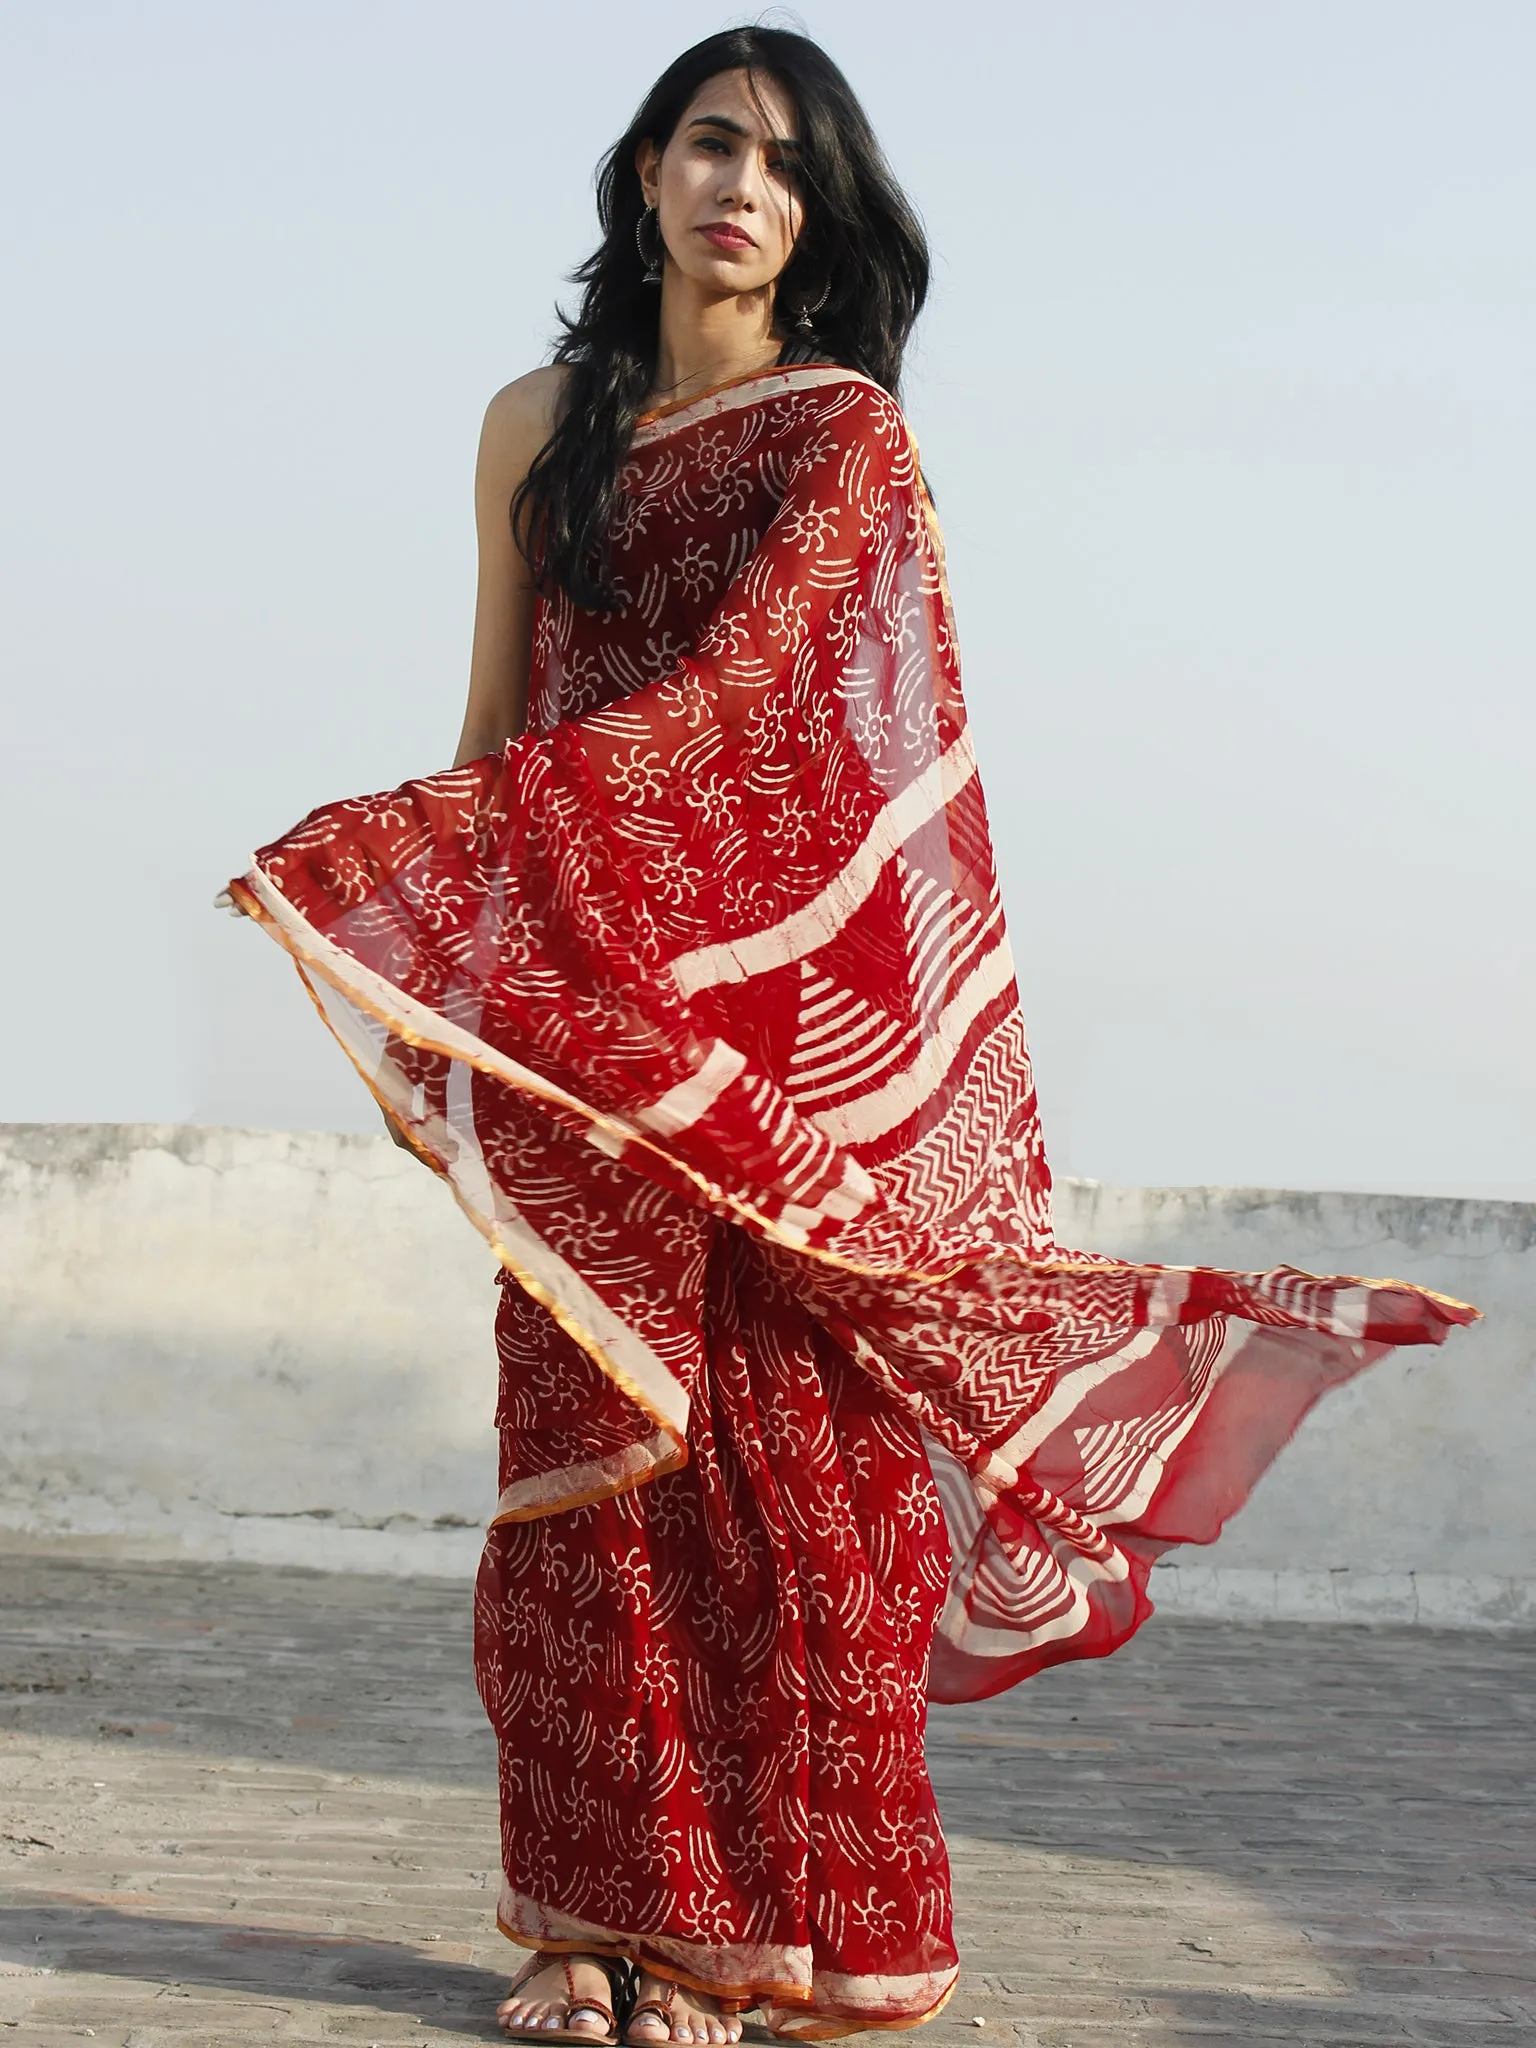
column 724, row 236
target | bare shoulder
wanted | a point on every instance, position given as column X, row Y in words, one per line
column 520, row 419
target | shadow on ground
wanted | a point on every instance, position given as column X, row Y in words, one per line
column 240, row 1788
column 254, row 1962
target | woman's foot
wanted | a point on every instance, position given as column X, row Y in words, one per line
column 664, row 2011
column 570, row 1994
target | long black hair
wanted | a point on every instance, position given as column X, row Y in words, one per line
column 853, row 287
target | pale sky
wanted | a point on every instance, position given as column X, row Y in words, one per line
column 1225, row 390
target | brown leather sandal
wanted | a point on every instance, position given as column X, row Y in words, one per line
column 614, row 1968
column 665, row 2009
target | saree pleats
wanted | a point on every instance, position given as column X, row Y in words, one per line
column 700, row 999
column 709, row 1692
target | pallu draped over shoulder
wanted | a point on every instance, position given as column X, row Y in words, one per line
column 700, row 999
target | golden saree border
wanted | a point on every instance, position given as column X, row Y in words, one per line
column 671, row 1415
column 774, row 380
column 776, row 1978
column 579, row 1486
column 917, row 782
column 414, row 1023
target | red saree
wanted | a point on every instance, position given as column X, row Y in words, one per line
column 699, row 998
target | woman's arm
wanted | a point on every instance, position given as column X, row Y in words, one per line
column 575, row 898
column 518, row 422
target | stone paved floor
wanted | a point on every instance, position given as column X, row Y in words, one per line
column 244, row 1805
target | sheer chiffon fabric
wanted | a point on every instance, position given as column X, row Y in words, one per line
column 699, row 996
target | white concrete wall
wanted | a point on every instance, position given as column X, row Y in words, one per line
column 242, row 1344
column 278, row 1346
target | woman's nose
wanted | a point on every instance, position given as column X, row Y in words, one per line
column 737, row 187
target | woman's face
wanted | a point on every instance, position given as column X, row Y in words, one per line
column 725, row 188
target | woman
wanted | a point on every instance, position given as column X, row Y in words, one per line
column 690, row 978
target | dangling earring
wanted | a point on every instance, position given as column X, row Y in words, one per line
column 805, row 319
column 652, row 262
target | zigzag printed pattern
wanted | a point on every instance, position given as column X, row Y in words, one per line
column 710, row 964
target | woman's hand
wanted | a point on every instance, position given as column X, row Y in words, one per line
column 408, row 1143
column 398, row 1132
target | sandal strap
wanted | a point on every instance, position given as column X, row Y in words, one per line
column 614, row 1968
column 623, row 1980
column 537, row 1960
column 604, row 2012
column 574, row 2005
column 663, row 2008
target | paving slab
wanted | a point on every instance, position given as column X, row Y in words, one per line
column 243, row 1804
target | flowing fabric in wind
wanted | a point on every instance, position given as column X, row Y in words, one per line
column 699, row 996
